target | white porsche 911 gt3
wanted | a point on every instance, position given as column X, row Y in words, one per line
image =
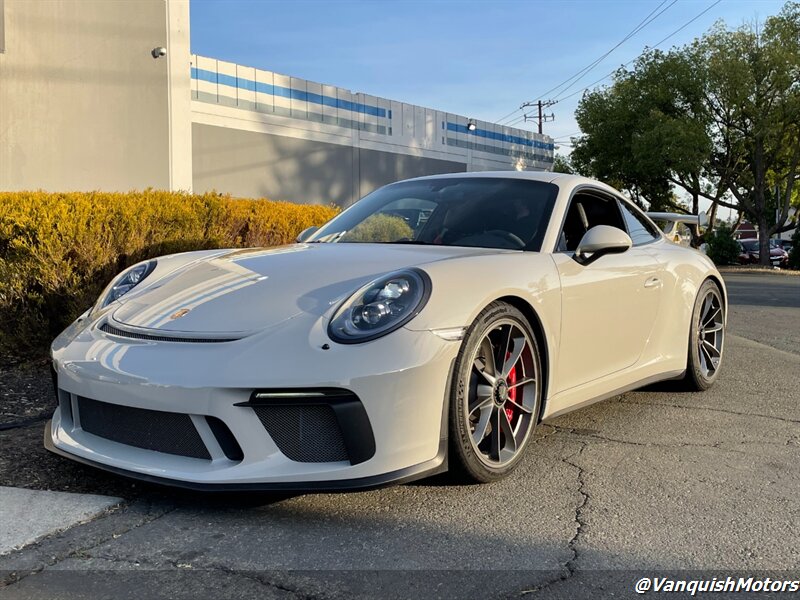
column 436, row 321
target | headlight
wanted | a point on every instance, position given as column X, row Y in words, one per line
column 380, row 307
column 125, row 282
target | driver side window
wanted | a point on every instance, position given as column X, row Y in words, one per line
column 587, row 211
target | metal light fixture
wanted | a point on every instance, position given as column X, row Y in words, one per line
column 471, row 125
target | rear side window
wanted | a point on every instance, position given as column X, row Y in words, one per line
column 639, row 229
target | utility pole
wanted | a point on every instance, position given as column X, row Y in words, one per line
column 541, row 118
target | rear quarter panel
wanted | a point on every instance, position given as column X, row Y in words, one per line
column 684, row 271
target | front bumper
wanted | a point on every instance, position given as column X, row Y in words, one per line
column 401, row 381
column 437, row 464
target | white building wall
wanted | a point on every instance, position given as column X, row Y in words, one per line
column 298, row 108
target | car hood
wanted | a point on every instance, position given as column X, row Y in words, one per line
column 244, row 291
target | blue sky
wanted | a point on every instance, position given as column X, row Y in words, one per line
column 480, row 59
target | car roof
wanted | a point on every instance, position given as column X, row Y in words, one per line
column 560, row 179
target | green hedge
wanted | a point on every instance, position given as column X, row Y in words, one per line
column 794, row 255
column 721, row 247
column 58, row 251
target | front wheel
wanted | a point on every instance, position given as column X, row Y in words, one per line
column 495, row 401
column 706, row 338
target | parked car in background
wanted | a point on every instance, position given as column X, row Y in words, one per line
column 744, row 255
column 751, row 253
column 785, row 244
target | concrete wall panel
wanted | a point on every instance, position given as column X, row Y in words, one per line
column 264, row 81
column 253, row 165
column 380, row 168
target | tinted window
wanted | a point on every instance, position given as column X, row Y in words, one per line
column 488, row 212
column 750, row 245
column 639, row 229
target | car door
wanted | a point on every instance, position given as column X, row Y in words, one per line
column 610, row 305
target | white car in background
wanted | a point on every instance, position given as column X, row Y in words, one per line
column 434, row 323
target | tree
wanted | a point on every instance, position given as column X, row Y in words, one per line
column 718, row 118
column 721, row 247
column 754, row 91
column 649, row 132
column 561, row 164
column 794, row 255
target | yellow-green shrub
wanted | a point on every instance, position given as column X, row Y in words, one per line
column 380, row 228
column 58, row 251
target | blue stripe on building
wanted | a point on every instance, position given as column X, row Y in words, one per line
column 500, row 137
column 277, row 90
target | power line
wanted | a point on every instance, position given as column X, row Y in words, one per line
column 567, row 135
column 587, row 69
column 520, row 119
column 681, row 28
column 516, row 110
column 580, row 74
column 656, row 45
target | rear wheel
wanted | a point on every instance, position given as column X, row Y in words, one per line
column 495, row 401
column 706, row 338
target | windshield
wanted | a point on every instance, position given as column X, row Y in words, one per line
column 750, row 245
column 486, row 212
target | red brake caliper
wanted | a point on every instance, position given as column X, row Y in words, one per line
column 512, row 393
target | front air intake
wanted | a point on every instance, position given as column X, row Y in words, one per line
column 171, row 433
column 304, row 433
column 315, row 425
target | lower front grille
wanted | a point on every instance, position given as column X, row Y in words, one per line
column 305, row 433
column 171, row 433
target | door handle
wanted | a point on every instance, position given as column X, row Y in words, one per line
column 653, row 282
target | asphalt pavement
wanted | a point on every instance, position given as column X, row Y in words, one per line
column 764, row 308
column 651, row 482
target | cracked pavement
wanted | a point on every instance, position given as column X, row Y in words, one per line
column 653, row 480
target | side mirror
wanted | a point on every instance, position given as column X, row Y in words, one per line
column 306, row 233
column 599, row 241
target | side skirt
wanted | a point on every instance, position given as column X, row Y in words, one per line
column 668, row 376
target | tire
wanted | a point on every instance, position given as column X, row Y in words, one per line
column 494, row 409
column 706, row 339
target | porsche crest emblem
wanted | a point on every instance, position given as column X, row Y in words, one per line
column 179, row 313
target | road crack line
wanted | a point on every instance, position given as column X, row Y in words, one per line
column 261, row 580
column 677, row 445
column 579, row 520
column 26, row 422
column 569, row 567
column 720, row 410
column 178, row 566
column 15, row 577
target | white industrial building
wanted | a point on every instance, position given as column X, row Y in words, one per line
column 88, row 102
